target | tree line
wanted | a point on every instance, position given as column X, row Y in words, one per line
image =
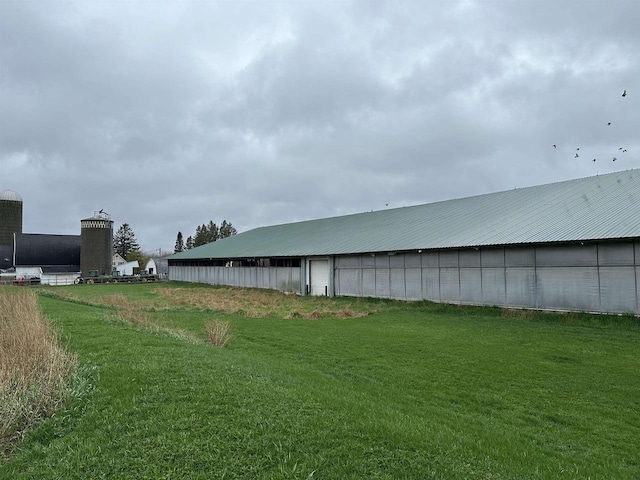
column 125, row 243
column 205, row 233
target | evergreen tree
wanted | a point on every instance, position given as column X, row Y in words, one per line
column 179, row 244
column 212, row 232
column 226, row 230
column 124, row 241
column 201, row 236
column 189, row 243
column 208, row 233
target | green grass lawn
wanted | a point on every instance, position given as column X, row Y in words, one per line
column 412, row 390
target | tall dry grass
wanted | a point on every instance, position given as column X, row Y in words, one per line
column 127, row 310
column 256, row 303
column 218, row 332
column 34, row 368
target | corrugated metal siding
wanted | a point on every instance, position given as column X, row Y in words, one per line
column 594, row 277
column 286, row 279
column 600, row 207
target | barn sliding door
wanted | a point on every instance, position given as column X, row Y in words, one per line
column 319, row 276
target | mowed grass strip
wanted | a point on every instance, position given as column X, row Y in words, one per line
column 409, row 391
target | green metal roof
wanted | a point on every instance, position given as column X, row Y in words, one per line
column 593, row 208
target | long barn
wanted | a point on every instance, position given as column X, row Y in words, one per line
column 572, row 245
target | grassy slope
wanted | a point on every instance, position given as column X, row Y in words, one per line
column 413, row 391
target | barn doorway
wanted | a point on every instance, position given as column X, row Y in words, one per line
column 319, row 277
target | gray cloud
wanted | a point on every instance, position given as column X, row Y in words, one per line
column 171, row 114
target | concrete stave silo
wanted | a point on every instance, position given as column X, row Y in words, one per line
column 10, row 216
column 96, row 245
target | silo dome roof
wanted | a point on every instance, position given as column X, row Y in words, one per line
column 10, row 195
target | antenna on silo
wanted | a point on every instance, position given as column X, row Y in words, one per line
column 102, row 214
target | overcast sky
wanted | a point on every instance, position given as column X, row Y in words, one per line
column 168, row 114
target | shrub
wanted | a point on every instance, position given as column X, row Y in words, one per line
column 34, row 368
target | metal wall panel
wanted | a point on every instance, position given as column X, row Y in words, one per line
column 397, row 286
column 520, row 257
column 430, row 259
column 493, row 286
column 449, row 285
column 448, row 258
column 266, row 277
column 256, row 277
column 431, row 284
column 286, row 277
column 413, row 283
column 396, row 261
column 382, row 260
column 618, row 289
column 382, row 282
column 610, row 254
column 296, row 279
column 368, row 261
column 470, row 285
column 412, row 260
column 369, row 282
column 567, row 256
column 273, row 279
column 349, row 261
column 492, row 257
column 638, row 290
column 521, row 287
column 574, row 288
column 259, row 277
column 192, row 275
column 283, row 279
column 349, row 282
column 469, row 258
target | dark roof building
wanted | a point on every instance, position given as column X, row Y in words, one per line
column 53, row 253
